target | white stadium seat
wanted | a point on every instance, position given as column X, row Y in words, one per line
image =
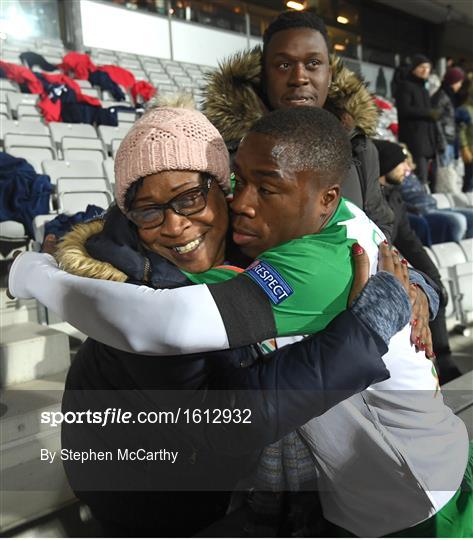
column 76, row 201
column 34, row 141
column 130, row 64
column 459, row 200
column 35, row 149
column 15, row 99
column 447, row 283
column 448, row 254
column 34, row 156
column 83, row 83
column 69, row 185
column 125, row 117
column 467, row 246
column 4, row 112
column 76, row 148
column 72, row 169
column 153, row 68
column 442, row 200
column 160, row 78
column 108, row 168
column 59, row 130
column 110, row 133
column 28, row 112
column 12, row 230
column 8, row 86
column 22, row 127
column 462, row 277
column 92, row 92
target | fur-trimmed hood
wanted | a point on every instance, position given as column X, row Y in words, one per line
column 110, row 248
column 73, row 258
column 232, row 96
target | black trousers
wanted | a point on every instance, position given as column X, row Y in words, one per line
column 422, row 170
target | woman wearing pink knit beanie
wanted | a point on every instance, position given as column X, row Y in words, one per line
column 176, row 156
column 172, row 178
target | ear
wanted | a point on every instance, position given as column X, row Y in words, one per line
column 330, row 197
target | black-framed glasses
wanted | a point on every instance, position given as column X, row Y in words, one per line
column 186, row 203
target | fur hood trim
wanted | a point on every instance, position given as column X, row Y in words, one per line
column 177, row 101
column 74, row 259
column 232, row 99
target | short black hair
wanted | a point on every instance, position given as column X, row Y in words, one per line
column 308, row 138
column 295, row 19
column 285, row 21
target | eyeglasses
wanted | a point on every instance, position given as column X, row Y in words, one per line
column 186, row 203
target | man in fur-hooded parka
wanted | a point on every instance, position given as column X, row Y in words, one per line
column 294, row 69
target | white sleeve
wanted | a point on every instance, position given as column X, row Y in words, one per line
column 128, row 317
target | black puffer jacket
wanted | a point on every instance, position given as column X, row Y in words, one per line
column 299, row 383
column 416, row 123
column 234, row 102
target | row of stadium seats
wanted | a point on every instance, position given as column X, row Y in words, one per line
column 453, row 200
column 36, row 142
column 167, row 75
column 455, row 264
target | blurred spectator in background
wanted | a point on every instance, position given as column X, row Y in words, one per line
column 393, row 169
column 416, row 115
column 466, row 138
column 444, row 101
column 445, row 225
column 400, row 74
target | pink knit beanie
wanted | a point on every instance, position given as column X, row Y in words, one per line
column 170, row 139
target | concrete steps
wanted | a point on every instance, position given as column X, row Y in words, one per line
column 29, row 351
column 16, row 311
column 31, row 488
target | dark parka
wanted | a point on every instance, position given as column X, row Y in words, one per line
column 211, row 456
column 442, row 101
column 234, row 101
column 416, row 123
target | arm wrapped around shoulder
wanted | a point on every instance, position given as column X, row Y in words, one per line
column 383, row 305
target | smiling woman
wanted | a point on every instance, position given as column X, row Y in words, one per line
column 183, row 217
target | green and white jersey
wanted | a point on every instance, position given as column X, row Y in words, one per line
column 300, row 286
column 306, row 281
column 401, row 426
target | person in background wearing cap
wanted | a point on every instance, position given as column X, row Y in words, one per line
column 175, row 156
column 417, row 116
column 274, row 145
column 394, row 167
column 444, row 101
